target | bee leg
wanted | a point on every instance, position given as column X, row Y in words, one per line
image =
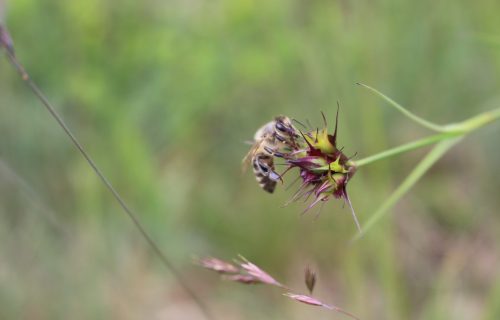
column 279, row 154
column 260, row 165
column 274, row 152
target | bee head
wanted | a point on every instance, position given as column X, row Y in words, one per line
column 283, row 125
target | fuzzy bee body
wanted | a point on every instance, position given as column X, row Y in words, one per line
column 269, row 142
column 263, row 169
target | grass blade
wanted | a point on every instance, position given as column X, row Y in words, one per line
column 5, row 42
column 417, row 119
column 434, row 155
column 405, row 148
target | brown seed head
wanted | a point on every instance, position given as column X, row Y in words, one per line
column 310, row 279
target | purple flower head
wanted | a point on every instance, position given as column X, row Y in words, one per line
column 324, row 169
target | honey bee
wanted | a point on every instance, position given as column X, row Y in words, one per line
column 269, row 142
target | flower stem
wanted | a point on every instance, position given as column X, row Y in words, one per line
column 406, row 147
column 434, row 155
column 449, row 135
column 475, row 122
column 402, row 149
column 451, row 131
column 414, row 117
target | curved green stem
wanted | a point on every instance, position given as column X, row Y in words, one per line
column 451, row 131
column 449, row 135
column 417, row 119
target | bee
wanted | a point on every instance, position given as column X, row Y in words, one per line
column 270, row 141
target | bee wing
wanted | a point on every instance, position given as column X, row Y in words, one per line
column 247, row 159
column 274, row 176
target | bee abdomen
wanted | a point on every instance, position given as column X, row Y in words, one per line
column 268, row 185
column 263, row 166
column 265, row 182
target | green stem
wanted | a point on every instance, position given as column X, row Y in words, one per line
column 424, row 165
column 451, row 131
column 406, row 147
column 475, row 122
column 449, row 135
column 401, row 149
column 414, row 117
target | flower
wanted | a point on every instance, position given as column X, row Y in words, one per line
column 325, row 170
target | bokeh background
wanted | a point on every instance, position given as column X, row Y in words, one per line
column 164, row 93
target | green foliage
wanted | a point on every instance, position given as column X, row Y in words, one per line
column 164, row 93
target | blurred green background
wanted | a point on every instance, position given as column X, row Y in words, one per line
column 164, row 94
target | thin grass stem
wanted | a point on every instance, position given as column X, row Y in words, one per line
column 55, row 115
column 412, row 116
column 405, row 148
column 425, row 164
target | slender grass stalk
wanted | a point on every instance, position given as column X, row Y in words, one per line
column 417, row 119
column 9, row 49
column 405, row 148
column 475, row 122
column 425, row 164
column 400, row 149
column 450, row 135
column 452, row 131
